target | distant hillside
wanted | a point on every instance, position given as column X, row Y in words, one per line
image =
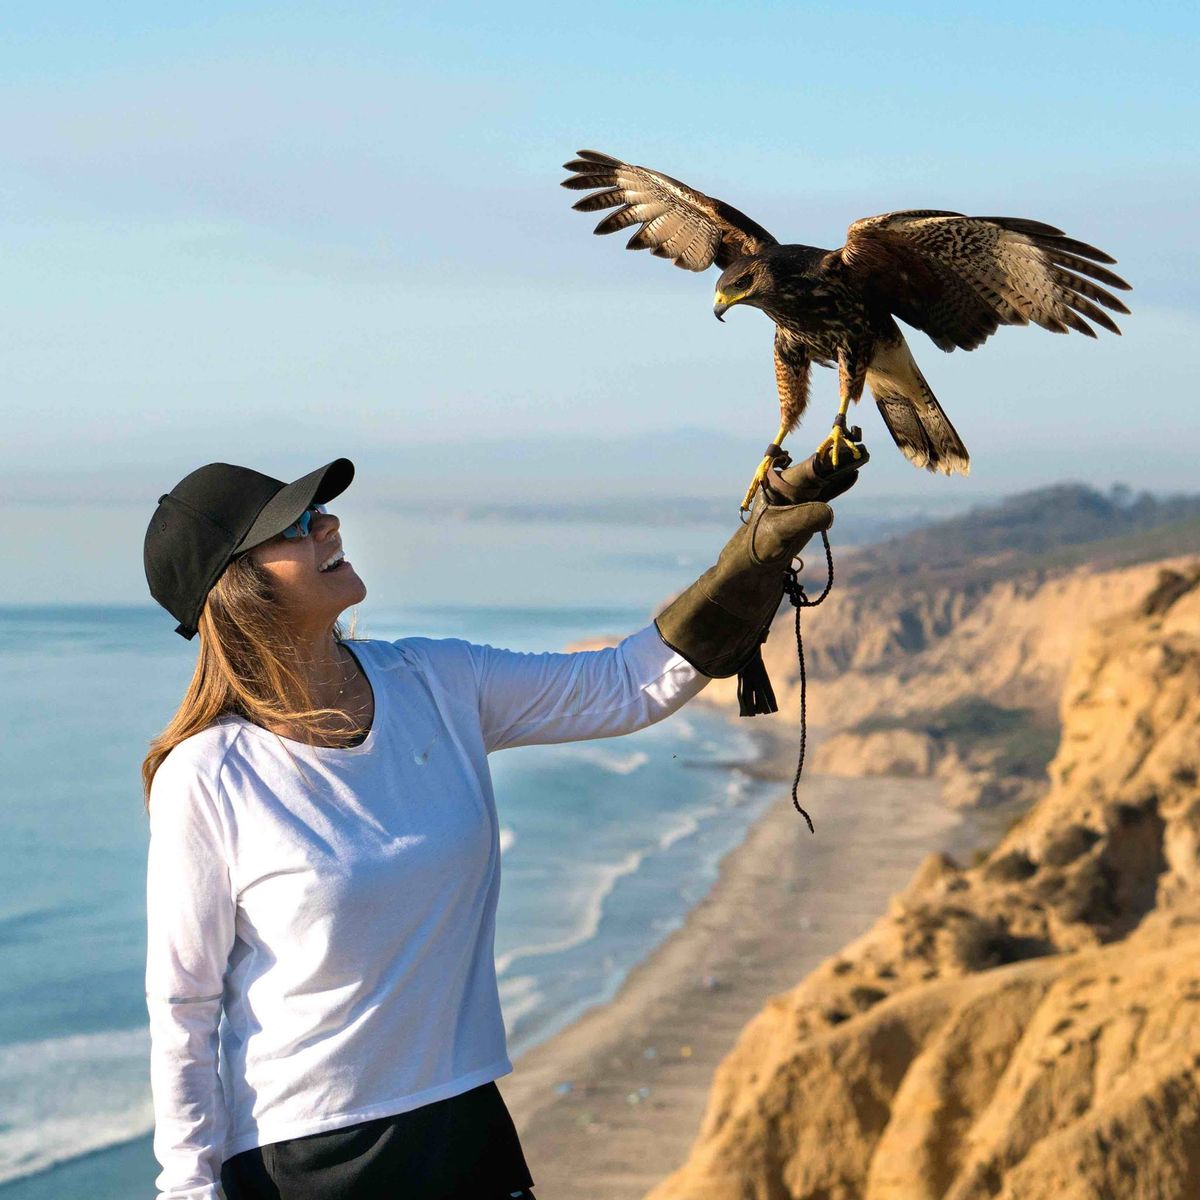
column 1040, row 529
column 863, row 526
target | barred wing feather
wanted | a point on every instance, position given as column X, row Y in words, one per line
column 959, row 278
column 676, row 221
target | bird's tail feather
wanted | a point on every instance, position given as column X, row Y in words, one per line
column 910, row 410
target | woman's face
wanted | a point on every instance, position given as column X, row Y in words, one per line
column 308, row 594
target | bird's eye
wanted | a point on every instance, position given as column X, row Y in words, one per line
column 744, row 282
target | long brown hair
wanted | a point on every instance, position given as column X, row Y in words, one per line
column 246, row 666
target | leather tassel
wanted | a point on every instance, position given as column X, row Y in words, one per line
column 755, row 694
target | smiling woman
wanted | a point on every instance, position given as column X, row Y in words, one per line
column 324, row 861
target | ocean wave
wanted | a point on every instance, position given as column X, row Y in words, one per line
column 519, row 996
column 745, row 747
column 689, row 825
column 586, row 926
column 682, row 728
column 68, row 1096
column 676, row 833
column 507, row 838
column 609, row 760
column 737, row 787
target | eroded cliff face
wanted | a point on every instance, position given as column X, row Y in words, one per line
column 1028, row 1027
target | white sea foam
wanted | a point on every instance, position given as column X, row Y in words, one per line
column 519, row 996
column 744, row 746
column 682, row 728
column 688, row 825
column 685, row 828
column 605, row 878
column 67, row 1096
column 609, row 760
column 737, row 787
column 507, row 837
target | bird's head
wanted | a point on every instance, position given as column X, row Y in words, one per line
column 744, row 281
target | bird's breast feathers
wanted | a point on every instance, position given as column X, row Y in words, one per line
column 823, row 345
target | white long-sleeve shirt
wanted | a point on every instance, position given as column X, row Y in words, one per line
column 338, row 904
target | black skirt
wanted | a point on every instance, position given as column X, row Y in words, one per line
column 462, row 1148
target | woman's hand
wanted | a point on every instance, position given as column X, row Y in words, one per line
column 718, row 622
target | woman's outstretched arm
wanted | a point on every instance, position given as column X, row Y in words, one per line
column 532, row 699
column 190, row 932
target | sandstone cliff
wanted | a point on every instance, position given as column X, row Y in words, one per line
column 1027, row 1027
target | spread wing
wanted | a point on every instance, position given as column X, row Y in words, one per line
column 677, row 222
column 959, row 278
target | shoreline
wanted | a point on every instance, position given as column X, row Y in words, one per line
column 610, row 1105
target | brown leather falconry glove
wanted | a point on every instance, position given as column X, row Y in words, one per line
column 719, row 622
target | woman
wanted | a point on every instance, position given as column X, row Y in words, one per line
column 324, row 861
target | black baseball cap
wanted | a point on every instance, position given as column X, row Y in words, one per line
column 216, row 513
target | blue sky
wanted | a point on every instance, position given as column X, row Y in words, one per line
column 273, row 234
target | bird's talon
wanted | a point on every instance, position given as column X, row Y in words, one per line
column 836, row 442
column 759, row 476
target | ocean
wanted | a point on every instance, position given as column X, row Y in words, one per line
column 606, row 846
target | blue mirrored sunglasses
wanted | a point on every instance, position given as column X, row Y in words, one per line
column 302, row 527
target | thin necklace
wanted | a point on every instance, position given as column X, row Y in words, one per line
column 346, row 679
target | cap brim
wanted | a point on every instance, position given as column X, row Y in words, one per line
column 285, row 507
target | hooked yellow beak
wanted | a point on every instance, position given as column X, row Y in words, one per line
column 724, row 301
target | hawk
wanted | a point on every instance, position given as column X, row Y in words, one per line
column 954, row 277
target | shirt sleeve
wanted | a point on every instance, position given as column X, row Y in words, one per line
column 534, row 699
column 190, row 931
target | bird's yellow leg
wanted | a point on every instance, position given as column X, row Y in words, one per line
column 773, row 452
column 838, row 439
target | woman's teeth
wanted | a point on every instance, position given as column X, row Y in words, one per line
column 333, row 561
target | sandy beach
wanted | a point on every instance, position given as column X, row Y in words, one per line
column 610, row 1105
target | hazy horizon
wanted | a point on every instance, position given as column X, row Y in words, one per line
column 469, row 549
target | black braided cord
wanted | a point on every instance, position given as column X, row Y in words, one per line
column 794, row 590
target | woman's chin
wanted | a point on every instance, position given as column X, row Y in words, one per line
column 348, row 603
column 355, row 585
column 342, row 588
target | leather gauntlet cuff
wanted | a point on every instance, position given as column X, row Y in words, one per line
column 719, row 623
